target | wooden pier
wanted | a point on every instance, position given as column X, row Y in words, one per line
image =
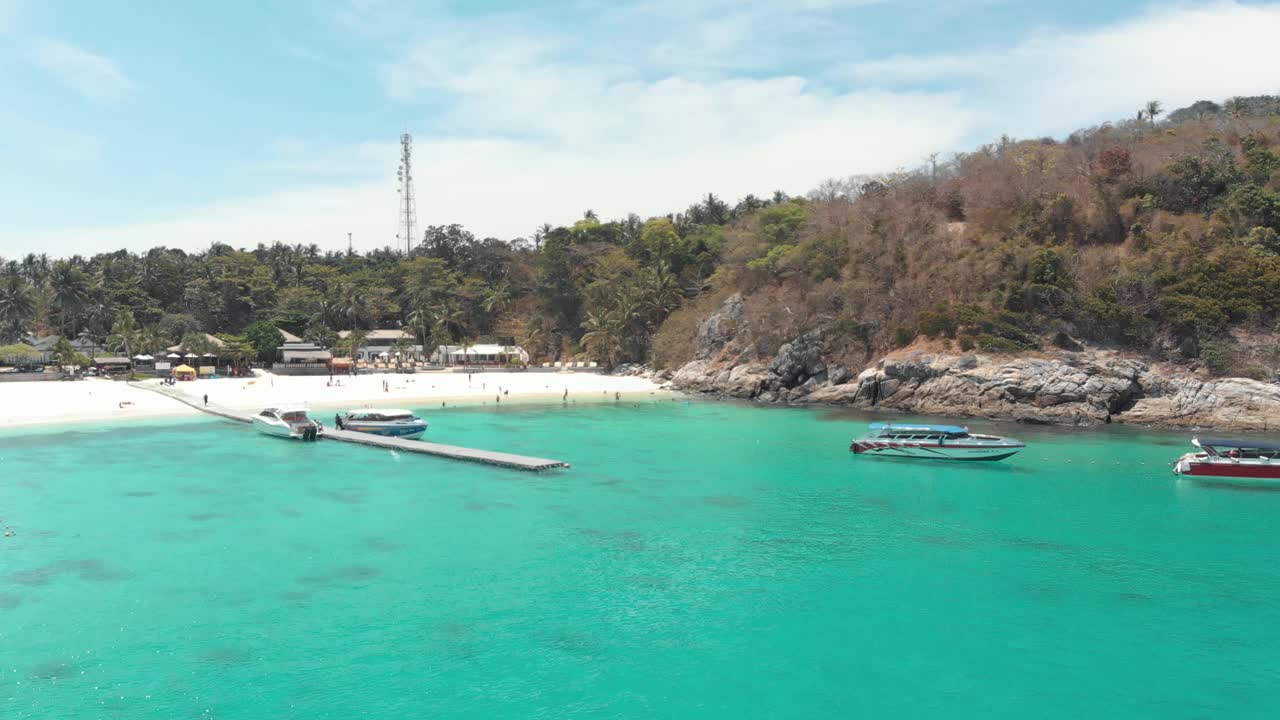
column 452, row 452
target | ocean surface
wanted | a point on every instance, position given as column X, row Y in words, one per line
column 700, row 560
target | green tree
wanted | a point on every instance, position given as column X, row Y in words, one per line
column 352, row 343
column 603, row 337
column 70, row 290
column 264, row 337
column 125, row 334
column 17, row 305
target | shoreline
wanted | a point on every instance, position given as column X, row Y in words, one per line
column 40, row 405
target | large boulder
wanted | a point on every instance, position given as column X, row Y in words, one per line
column 1227, row 404
column 697, row 376
column 797, row 361
column 745, row 381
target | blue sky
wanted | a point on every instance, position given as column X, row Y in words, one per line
column 137, row 124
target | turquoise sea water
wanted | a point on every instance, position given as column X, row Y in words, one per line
column 700, row 560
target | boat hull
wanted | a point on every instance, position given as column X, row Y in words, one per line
column 935, row 451
column 1239, row 472
column 408, row 431
column 280, row 431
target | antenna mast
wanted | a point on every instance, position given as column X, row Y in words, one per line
column 408, row 214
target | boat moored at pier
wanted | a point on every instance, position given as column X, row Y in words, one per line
column 385, row 422
column 290, row 422
column 1243, row 462
column 933, row 442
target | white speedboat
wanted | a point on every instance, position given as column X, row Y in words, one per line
column 291, row 422
column 386, row 422
column 933, row 442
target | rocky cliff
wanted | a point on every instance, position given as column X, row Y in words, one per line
column 1075, row 388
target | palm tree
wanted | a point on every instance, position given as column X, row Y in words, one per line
column 17, row 303
column 662, row 291
column 420, row 319
column 497, row 297
column 64, row 353
column 354, row 340
column 448, row 317
column 1153, row 109
column 125, row 334
column 351, row 304
column 403, row 345
column 151, row 340
column 603, row 338
column 541, row 234
column 531, row 338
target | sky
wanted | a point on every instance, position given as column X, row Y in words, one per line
column 134, row 125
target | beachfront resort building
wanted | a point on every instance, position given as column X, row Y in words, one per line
column 84, row 345
column 302, row 353
column 382, row 345
column 481, row 354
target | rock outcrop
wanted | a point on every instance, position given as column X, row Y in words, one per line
column 1073, row 388
column 725, row 333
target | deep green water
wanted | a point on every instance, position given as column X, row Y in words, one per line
column 699, row 560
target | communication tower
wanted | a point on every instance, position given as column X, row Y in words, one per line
column 408, row 214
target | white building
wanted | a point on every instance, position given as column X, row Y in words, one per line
column 483, row 354
column 377, row 342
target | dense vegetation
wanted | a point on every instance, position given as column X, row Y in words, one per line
column 1162, row 237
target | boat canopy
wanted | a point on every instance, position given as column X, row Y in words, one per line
column 1237, row 444
column 913, row 427
column 379, row 414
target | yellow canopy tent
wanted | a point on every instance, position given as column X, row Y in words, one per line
column 184, row 372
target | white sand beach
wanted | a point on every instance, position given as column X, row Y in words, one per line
column 33, row 403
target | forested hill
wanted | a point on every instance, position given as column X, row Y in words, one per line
column 1159, row 233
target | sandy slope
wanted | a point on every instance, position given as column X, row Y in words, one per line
column 52, row 402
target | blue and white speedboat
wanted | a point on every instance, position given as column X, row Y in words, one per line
column 934, row 442
column 389, row 423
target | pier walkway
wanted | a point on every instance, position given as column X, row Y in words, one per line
column 452, row 452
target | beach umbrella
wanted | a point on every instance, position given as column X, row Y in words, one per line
column 210, row 355
column 173, row 355
column 384, row 354
column 141, row 357
column 191, row 355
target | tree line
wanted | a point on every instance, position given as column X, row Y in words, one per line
column 594, row 287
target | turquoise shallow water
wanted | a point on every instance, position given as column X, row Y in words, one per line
column 699, row 560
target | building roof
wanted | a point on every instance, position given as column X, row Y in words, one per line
column 372, row 336
column 216, row 343
column 288, row 336
column 44, row 344
column 111, row 361
column 308, row 355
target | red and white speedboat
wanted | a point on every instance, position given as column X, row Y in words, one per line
column 1246, row 462
column 933, row 442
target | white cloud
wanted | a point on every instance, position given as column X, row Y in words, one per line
column 93, row 76
column 531, row 127
column 1051, row 82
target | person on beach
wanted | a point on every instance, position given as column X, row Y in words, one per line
column 566, row 394
column 206, row 399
